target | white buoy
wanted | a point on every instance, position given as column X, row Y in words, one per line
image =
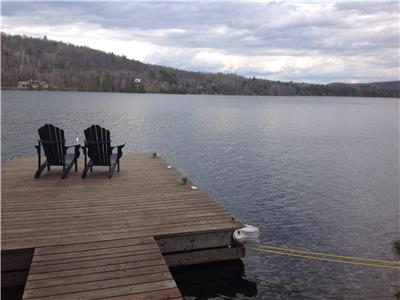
column 246, row 234
column 169, row 167
column 193, row 187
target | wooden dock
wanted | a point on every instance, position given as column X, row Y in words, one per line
column 107, row 238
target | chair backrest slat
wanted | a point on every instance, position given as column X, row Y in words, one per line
column 53, row 142
column 99, row 145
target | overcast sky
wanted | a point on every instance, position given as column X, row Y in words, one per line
column 290, row 40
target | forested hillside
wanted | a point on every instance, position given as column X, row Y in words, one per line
column 68, row 67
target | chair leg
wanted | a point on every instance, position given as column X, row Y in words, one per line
column 67, row 169
column 91, row 168
column 111, row 170
column 48, row 168
column 76, row 165
column 84, row 173
column 41, row 168
column 86, row 169
column 118, row 165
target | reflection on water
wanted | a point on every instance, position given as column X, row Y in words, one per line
column 313, row 173
column 221, row 279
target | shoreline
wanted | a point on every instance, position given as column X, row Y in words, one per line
column 151, row 93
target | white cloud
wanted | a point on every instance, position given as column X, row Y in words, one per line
column 314, row 41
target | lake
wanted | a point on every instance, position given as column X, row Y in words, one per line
column 313, row 173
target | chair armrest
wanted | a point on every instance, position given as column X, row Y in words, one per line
column 84, row 149
column 119, row 146
column 119, row 149
column 77, row 146
column 38, row 145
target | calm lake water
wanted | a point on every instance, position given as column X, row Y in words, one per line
column 313, row 173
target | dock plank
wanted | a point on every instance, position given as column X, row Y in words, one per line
column 96, row 238
column 144, row 194
column 88, row 280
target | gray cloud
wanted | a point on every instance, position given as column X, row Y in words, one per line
column 368, row 7
column 279, row 40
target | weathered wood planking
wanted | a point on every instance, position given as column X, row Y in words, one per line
column 143, row 199
column 125, row 268
column 101, row 238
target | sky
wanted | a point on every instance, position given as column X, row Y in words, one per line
column 302, row 41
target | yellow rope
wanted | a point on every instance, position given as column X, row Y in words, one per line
column 324, row 259
column 325, row 254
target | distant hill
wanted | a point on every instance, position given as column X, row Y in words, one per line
column 68, row 67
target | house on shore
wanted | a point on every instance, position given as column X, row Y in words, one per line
column 33, row 85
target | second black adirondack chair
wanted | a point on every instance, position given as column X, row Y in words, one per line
column 98, row 148
column 53, row 143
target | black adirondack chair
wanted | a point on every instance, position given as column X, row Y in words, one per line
column 98, row 148
column 53, row 143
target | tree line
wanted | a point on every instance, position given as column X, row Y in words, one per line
column 68, row 67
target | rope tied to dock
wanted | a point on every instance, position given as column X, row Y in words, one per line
column 361, row 261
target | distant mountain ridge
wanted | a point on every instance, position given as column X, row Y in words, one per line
column 69, row 67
